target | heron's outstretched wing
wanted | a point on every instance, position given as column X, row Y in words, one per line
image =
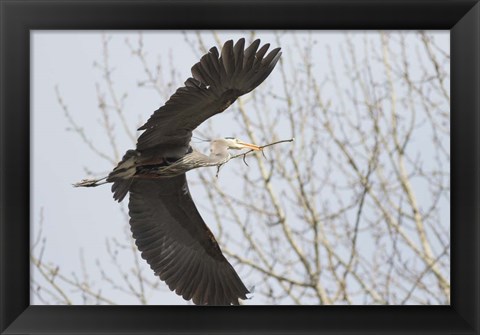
column 176, row 242
column 218, row 80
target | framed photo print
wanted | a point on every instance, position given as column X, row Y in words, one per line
column 267, row 167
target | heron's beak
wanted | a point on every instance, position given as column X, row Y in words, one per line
column 249, row 146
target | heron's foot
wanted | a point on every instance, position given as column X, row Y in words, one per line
column 88, row 183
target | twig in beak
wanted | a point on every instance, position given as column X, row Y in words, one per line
column 261, row 149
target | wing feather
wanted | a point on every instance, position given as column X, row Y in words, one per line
column 201, row 72
column 200, row 287
column 182, row 278
column 209, row 67
column 238, row 51
column 172, row 269
column 217, row 292
column 260, row 53
column 249, row 56
column 192, row 284
column 228, row 59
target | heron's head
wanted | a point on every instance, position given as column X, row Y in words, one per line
column 235, row 143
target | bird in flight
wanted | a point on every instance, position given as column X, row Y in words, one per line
column 166, row 225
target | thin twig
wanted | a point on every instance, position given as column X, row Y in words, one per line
column 261, row 148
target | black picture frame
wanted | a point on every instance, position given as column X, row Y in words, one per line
column 18, row 17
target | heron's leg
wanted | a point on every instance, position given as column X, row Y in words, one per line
column 218, row 170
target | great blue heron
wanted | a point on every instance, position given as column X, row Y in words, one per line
column 166, row 225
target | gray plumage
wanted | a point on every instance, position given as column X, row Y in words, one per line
column 218, row 155
column 168, row 230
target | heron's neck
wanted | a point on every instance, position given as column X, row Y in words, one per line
column 219, row 157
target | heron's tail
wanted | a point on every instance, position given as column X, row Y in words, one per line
column 122, row 175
